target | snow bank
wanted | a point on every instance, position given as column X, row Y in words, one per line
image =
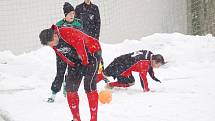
column 186, row 93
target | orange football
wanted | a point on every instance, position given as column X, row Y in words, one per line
column 105, row 96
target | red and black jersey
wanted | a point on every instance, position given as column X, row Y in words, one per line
column 138, row 61
column 125, row 63
column 83, row 44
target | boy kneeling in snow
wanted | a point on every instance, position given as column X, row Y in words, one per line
column 142, row 61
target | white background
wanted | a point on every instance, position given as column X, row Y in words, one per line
column 22, row 20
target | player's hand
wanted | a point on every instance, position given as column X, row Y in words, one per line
column 157, row 80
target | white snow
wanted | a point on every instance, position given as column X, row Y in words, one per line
column 187, row 91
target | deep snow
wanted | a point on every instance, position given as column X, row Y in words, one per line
column 187, row 91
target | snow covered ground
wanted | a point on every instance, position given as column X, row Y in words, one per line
column 187, row 91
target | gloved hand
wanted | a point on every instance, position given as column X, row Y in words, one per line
column 157, row 80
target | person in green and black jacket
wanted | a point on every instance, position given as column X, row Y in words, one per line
column 68, row 21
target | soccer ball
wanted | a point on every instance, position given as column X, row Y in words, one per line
column 105, row 96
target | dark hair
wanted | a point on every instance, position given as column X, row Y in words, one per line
column 46, row 36
column 67, row 7
column 158, row 58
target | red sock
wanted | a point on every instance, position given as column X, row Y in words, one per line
column 93, row 104
column 73, row 101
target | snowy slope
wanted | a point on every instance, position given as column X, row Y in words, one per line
column 186, row 93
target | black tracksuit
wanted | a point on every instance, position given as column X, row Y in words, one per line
column 90, row 16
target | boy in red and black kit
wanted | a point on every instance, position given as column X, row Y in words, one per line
column 84, row 61
column 141, row 61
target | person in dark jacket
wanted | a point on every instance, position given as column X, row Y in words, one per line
column 141, row 61
column 82, row 52
column 89, row 14
column 68, row 21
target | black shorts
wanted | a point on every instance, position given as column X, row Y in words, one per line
column 125, row 80
column 89, row 72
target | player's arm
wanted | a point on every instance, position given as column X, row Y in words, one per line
column 81, row 50
column 151, row 73
column 144, row 65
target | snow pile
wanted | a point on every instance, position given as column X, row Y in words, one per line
column 187, row 90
